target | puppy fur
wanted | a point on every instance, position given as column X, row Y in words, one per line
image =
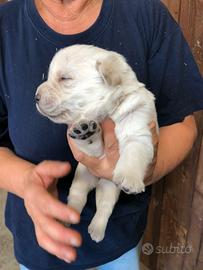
column 85, row 85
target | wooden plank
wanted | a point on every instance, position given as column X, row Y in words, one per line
column 174, row 7
column 191, row 260
column 200, row 258
column 194, row 260
column 199, row 183
column 191, row 21
column 172, row 237
column 152, row 231
column 187, row 18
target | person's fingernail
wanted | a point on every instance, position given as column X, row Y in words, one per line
column 75, row 242
column 67, row 260
column 74, row 219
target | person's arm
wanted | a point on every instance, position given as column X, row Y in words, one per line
column 175, row 142
column 12, row 172
column 36, row 184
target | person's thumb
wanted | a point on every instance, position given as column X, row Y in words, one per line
column 109, row 136
column 53, row 169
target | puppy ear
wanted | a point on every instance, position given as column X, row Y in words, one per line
column 112, row 69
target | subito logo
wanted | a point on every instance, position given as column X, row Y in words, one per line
column 147, row 249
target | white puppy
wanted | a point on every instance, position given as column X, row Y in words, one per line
column 85, row 85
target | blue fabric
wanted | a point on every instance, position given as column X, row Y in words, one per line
column 145, row 33
column 22, row 267
column 129, row 261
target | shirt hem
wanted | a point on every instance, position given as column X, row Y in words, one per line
column 180, row 117
column 116, row 255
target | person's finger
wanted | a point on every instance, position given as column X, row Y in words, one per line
column 155, row 137
column 55, row 169
column 62, row 251
column 152, row 125
column 155, row 140
column 59, row 232
column 55, row 208
column 89, row 162
column 153, row 129
column 52, row 189
column 109, row 136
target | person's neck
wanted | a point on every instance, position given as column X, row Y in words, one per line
column 69, row 16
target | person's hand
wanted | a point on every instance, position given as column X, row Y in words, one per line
column 101, row 167
column 104, row 166
column 45, row 210
column 155, row 140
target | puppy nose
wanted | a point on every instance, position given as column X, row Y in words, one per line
column 37, row 98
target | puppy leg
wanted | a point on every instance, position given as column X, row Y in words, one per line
column 106, row 197
column 132, row 166
column 87, row 136
column 82, row 184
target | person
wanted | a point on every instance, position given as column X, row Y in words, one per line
column 36, row 163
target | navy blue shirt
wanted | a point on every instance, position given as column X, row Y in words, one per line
column 145, row 33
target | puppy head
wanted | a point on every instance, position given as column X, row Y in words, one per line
column 83, row 81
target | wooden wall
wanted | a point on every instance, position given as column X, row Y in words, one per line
column 176, row 209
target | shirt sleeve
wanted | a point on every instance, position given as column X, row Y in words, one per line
column 4, row 135
column 173, row 74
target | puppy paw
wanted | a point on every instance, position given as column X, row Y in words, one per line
column 84, row 129
column 129, row 184
column 96, row 231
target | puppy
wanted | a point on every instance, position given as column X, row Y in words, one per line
column 85, row 85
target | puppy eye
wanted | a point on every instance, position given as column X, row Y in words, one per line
column 64, row 78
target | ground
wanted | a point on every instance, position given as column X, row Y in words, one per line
column 7, row 261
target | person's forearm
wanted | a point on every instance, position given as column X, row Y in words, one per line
column 175, row 142
column 12, row 171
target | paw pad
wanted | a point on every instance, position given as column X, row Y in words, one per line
column 83, row 130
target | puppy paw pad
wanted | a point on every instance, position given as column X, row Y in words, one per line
column 83, row 130
column 132, row 188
